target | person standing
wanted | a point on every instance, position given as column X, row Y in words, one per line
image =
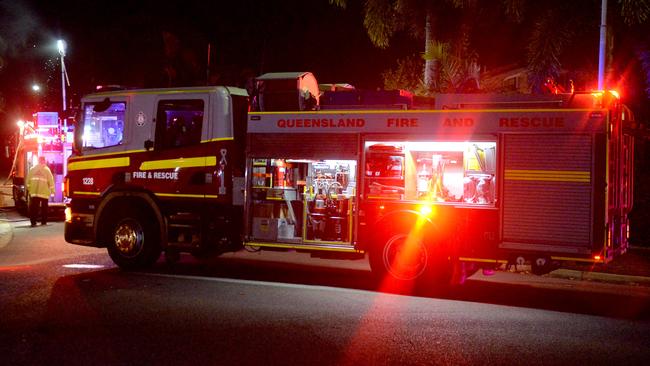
column 40, row 186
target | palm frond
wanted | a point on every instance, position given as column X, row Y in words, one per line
column 514, row 9
column 436, row 50
column 378, row 19
column 405, row 75
column 551, row 33
column 634, row 11
column 340, row 3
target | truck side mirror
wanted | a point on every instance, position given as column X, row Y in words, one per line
column 148, row 145
column 77, row 137
column 102, row 106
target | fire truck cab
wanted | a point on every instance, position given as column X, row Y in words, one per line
column 430, row 195
column 158, row 169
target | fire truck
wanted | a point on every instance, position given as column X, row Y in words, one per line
column 41, row 137
column 429, row 196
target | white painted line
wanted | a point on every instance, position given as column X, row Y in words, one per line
column 83, row 266
column 6, row 234
column 259, row 283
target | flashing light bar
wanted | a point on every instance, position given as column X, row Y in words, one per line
column 600, row 93
column 426, row 210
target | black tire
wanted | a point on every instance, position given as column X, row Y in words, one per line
column 22, row 206
column 393, row 260
column 132, row 239
column 421, row 268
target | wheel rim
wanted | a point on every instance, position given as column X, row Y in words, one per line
column 405, row 261
column 129, row 238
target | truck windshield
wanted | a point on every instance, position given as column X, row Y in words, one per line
column 103, row 127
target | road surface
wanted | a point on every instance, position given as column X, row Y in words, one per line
column 69, row 305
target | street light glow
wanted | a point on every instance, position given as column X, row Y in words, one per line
column 36, row 87
column 60, row 45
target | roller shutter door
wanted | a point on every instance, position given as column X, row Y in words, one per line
column 547, row 196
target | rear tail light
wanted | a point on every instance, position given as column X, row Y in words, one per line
column 66, row 186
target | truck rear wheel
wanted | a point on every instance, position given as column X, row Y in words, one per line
column 20, row 197
column 133, row 241
column 401, row 258
column 406, row 260
column 22, row 206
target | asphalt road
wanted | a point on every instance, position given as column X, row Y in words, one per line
column 68, row 305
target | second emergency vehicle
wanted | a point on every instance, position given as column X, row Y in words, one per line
column 41, row 137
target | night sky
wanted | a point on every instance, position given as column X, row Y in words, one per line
column 125, row 43
column 122, row 42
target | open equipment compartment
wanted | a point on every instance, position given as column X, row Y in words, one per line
column 302, row 201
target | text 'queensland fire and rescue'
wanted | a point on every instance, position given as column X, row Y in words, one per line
column 507, row 122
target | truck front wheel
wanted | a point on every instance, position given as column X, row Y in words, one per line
column 133, row 241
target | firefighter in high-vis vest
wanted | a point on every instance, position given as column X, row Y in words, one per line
column 40, row 186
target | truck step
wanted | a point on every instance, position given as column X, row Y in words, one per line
column 183, row 246
column 187, row 226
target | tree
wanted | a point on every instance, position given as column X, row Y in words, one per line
column 555, row 30
column 560, row 27
column 456, row 74
column 383, row 18
column 550, row 35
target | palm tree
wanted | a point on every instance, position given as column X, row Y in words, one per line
column 550, row 35
column 383, row 18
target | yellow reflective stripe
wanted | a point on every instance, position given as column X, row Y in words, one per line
column 304, row 247
column 325, row 242
column 202, row 161
column 499, row 261
column 431, row 111
column 219, row 139
column 387, row 197
column 549, row 175
column 503, row 261
column 87, row 193
column 187, row 195
column 586, row 260
column 99, row 163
